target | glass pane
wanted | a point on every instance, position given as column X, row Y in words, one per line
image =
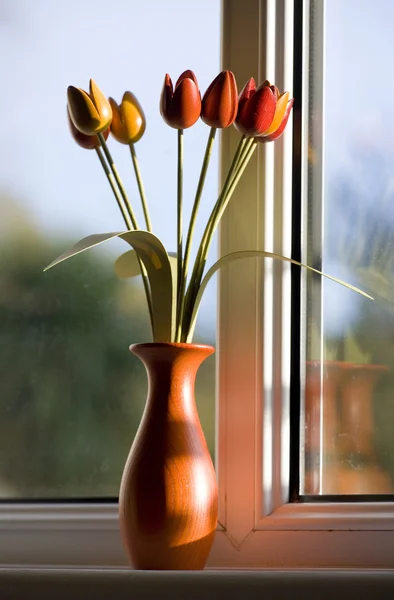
column 71, row 394
column 349, row 374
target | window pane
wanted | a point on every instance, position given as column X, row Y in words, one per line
column 71, row 394
column 349, row 374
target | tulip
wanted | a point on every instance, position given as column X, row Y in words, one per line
column 128, row 119
column 89, row 142
column 256, row 108
column 282, row 113
column 90, row 113
column 181, row 107
column 220, row 102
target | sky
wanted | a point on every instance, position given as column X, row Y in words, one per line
column 122, row 45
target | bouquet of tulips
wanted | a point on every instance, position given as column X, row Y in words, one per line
column 260, row 115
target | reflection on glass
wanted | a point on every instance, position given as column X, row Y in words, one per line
column 349, row 375
column 71, row 394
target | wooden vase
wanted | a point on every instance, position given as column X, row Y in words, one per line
column 168, row 494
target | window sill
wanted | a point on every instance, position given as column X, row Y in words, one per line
column 24, row 583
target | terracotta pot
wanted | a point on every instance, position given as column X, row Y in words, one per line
column 168, row 495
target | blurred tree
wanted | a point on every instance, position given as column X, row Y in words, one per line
column 71, row 394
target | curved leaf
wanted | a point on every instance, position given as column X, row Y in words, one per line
column 155, row 259
column 253, row 254
column 127, row 265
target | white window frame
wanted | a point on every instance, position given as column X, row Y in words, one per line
column 258, row 528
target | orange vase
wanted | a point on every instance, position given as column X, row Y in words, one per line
column 168, row 494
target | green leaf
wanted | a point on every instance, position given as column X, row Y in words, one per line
column 127, row 265
column 157, row 264
column 253, row 254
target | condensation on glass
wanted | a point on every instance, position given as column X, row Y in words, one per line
column 348, row 380
column 71, row 394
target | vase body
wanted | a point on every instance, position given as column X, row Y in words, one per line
column 168, row 495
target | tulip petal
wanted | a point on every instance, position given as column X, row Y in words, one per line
column 118, row 129
column 102, row 105
column 256, row 114
column 165, row 99
column 89, row 142
column 187, row 75
column 185, row 105
column 274, row 136
column 280, row 111
column 247, row 91
column 220, row 102
column 133, row 117
column 83, row 112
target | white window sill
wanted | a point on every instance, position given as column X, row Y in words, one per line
column 17, row 583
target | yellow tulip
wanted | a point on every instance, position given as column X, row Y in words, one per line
column 91, row 113
column 128, row 119
column 89, row 142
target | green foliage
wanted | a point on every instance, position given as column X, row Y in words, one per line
column 71, row 394
column 69, row 402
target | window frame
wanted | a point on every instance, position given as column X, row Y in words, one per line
column 258, row 527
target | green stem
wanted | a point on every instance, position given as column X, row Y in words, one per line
column 140, row 186
column 114, row 188
column 241, row 168
column 179, row 227
column 193, row 282
column 236, row 170
column 227, row 192
column 129, row 224
column 118, row 180
column 193, row 218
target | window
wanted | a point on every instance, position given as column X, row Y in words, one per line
column 261, row 342
column 71, row 394
column 349, row 371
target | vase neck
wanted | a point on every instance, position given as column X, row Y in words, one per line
column 171, row 370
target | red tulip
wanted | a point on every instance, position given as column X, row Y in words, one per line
column 89, row 142
column 283, row 109
column 256, row 108
column 220, row 101
column 181, row 107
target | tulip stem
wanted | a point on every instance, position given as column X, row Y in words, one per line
column 241, row 158
column 140, row 186
column 118, row 180
column 179, row 228
column 114, row 188
column 194, row 282
column 127, row 219
column 193, row 217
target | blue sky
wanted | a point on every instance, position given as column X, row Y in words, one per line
column 122, row 45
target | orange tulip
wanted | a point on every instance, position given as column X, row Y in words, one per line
column 220, row 102
column 282, row 113
column 128, row 119
column 181, row 107
column 89, row 142
column 256, row 108
column 90, row 113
